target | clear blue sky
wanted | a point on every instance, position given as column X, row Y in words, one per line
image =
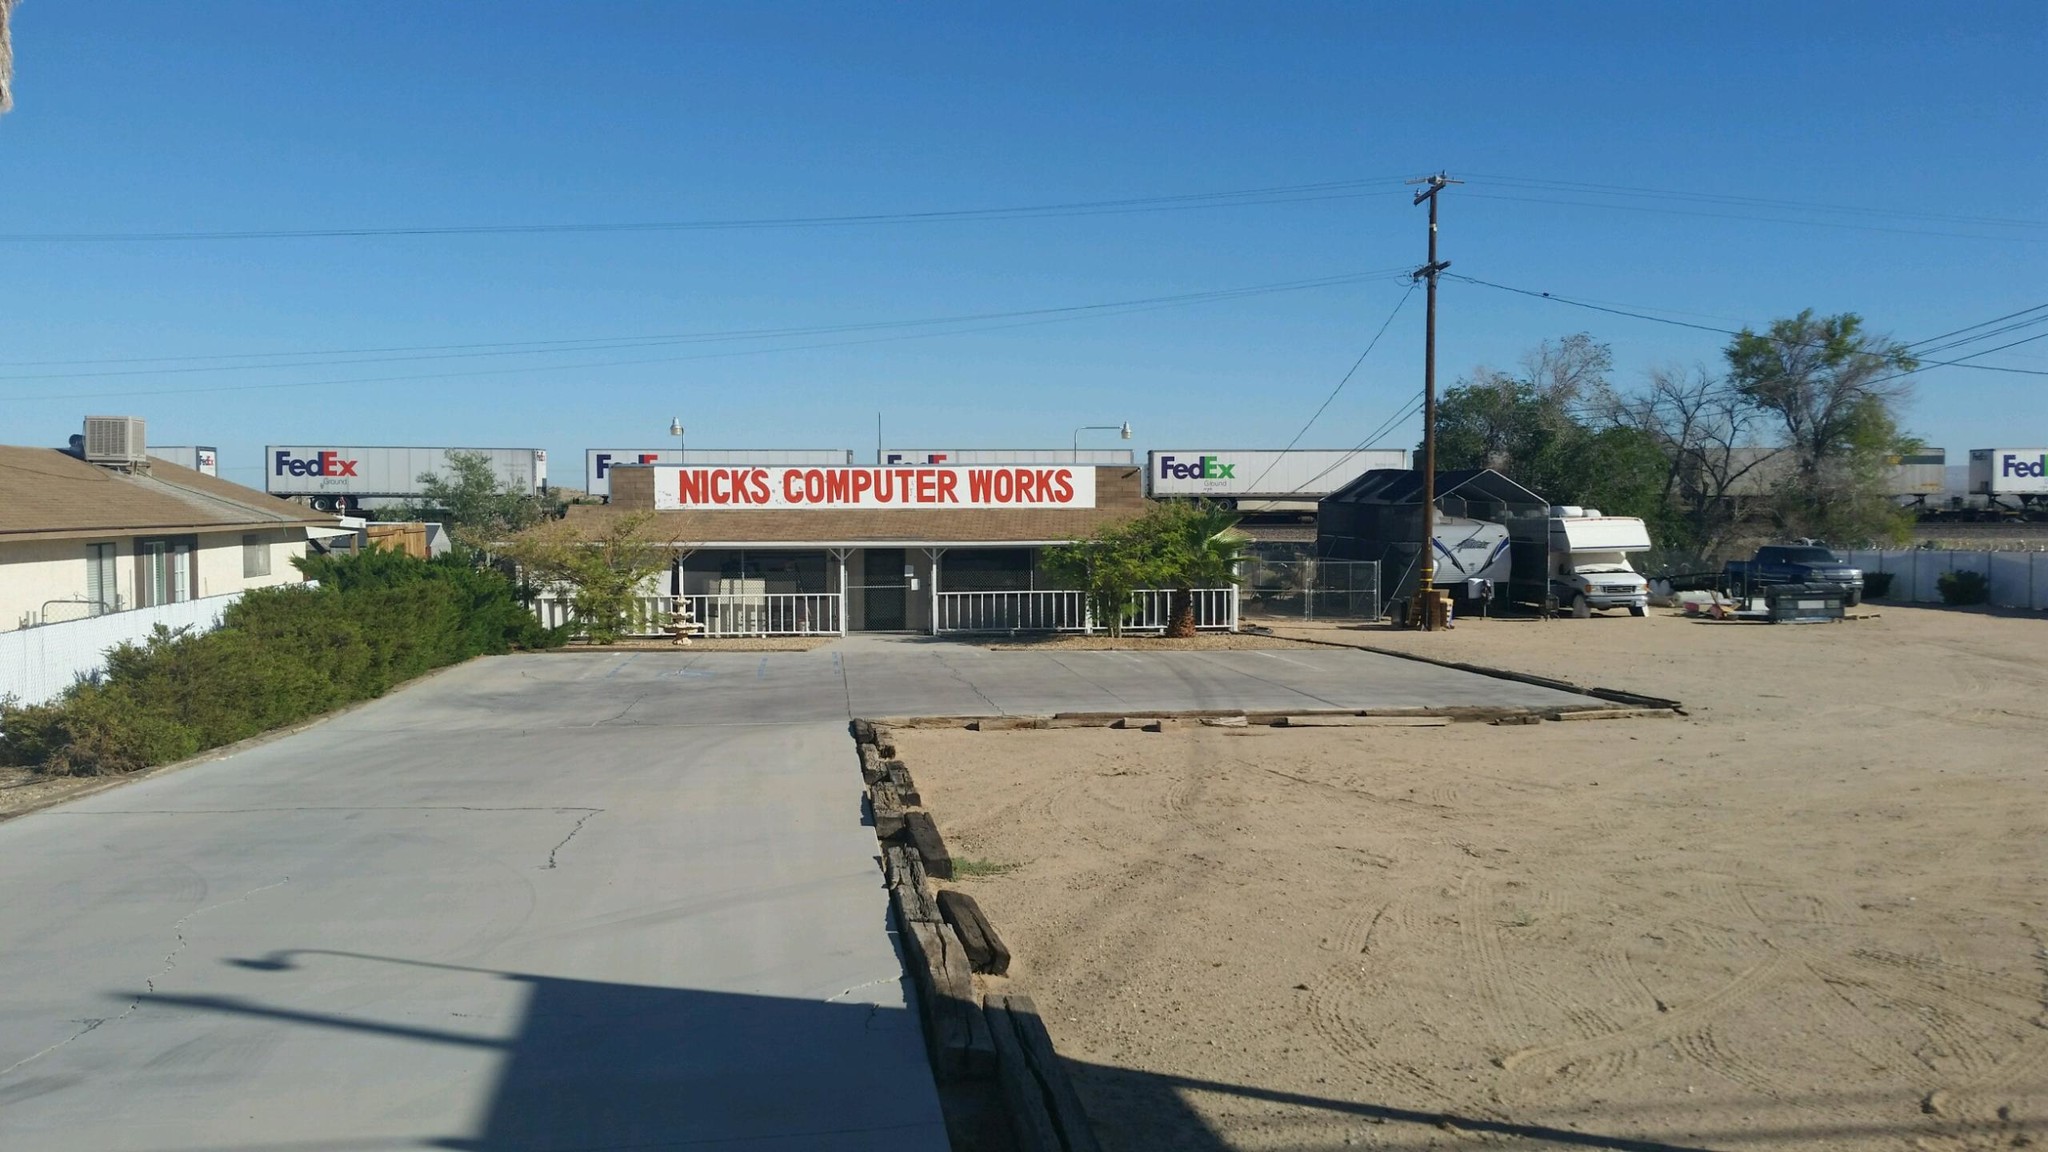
column 147, row 117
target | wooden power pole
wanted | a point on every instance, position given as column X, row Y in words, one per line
column 1428, row 609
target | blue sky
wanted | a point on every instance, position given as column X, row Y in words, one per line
column 210, row 117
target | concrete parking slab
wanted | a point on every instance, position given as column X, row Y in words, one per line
column 548, row 901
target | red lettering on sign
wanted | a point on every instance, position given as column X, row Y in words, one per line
column 927, row 486
column 862, row 481
column 1027, row 485
column 1063, row 485
column 814, row 486
column 885, row 485
column 790, row 490
column 978, row 485
column 719, row 486
column 948, row 481
column 691, row 489
column 1004, row 483
column 839, row 486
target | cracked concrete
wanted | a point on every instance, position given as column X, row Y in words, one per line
column 725, row 911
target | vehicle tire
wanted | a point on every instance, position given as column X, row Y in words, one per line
column 1854, row 597
column 1638, row 610
column 1580, row 608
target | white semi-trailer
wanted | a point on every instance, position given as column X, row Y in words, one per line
column 338, row 477
column 2018, row 475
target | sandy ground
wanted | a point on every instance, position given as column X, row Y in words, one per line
column 1205, row 641
column 1813, row 914
column 726, row 644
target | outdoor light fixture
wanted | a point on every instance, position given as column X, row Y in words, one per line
column 675, row 429
column 1123, row 430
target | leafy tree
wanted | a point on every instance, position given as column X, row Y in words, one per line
column 1177, row 546
column 604, row 560
column 1835, row 390
column 479, row 511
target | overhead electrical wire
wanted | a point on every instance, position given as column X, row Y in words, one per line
column 1580, row 187
column 1032, row 318
column 1925, row 364
column 1331, row 398
column 1243, row 197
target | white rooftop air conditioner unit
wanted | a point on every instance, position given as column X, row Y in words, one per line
column 115, row 440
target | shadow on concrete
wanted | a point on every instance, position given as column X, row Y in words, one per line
column 594, row 1065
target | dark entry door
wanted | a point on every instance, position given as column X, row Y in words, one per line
column 888, row 590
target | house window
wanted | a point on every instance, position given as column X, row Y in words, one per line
column 164, row 571
column 101, row 584
column 255, row 556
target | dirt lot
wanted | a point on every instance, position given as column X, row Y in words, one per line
column 1813, row 914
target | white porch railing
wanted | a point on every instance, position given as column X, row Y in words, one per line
column 1066, row 610
column 766, row 614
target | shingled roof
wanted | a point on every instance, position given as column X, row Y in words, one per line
column 49, row 494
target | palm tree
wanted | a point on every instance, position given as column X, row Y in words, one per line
column 1206, row 552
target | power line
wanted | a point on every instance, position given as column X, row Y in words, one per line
column 1244, row 197
column 1328, row 400
column 1925, row 364
column 1585, row 188
column 1760, row 219
column 1066, row 316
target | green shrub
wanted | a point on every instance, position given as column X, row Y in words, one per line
column 280, row 655
column 1877, row 585
column 1963, row 587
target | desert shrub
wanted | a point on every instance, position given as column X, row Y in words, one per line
column 1963, row 587
column 1877, row 585
column 280, row 655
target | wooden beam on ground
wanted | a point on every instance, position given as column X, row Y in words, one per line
column 898, row 775
column 888, row 810
column 1611, row 713
column 1023, row 1096
column 909, row 893
column 885, row 742
column 872, row 766
column 1069, row 1119
column 863, row 732
column 986, row 952
column 924, row 836
column 1008, row 723
column 961, row 1045
column 1349, row 721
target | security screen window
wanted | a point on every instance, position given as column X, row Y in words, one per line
column 255, row 556
column 101, row 582
column 164, row 571
column 989, row 570
column 714, row 571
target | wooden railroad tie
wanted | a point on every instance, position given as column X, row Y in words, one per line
column 986, row 952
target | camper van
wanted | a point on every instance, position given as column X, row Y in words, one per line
column 1469, row 551
column 1589, row 565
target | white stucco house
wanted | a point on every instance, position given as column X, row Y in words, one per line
column 81, row 540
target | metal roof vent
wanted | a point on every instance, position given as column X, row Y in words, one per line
column 115, row 440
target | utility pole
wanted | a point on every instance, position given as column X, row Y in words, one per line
column 1428, row 609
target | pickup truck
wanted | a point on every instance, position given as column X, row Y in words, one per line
column 1776, row 564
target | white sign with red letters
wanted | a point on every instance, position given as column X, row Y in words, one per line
column 910, row 487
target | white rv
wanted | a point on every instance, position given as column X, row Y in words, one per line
column 1589, row 565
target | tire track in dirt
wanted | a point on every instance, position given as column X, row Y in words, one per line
column 1341, row 999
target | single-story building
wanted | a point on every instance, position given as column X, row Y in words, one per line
column 80, row 539
column 883, row 548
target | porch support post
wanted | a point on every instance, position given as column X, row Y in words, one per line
column 935, row 553
column 840, row 554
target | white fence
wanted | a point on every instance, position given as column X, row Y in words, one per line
column 2018, row 579
column 1064, row 610
column 37, row 664
column 765, row 614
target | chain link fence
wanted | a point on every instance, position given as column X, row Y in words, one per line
column 1309, row 589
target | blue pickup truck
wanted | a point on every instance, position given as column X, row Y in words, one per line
column 1776, row 564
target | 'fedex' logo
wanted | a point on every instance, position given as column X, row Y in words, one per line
column 604, row 461
column 2014, row 465
column 320, row 464
column 1204, row 468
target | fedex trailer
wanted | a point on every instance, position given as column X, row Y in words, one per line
column 599, row 462
column 339, row 477
column 1235, row 474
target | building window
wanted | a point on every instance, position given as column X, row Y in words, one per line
column 102, row 586
column 164, row 571
column 255, row 557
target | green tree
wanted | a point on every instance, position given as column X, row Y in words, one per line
column 1204, row 550
column 605, row 562
column 1835, row 390
column 479, row 511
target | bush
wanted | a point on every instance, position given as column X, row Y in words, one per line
column 280, row 655
column 1877, row 585
column 1963, row 587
